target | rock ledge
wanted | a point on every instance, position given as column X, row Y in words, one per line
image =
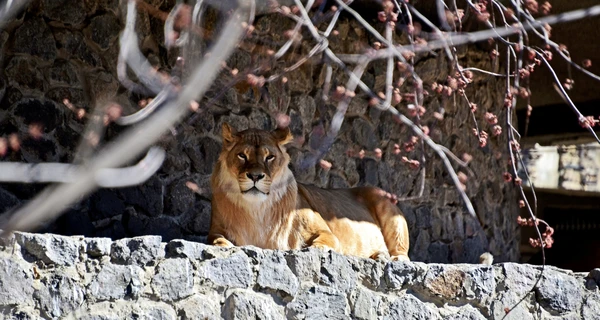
column 52, row 276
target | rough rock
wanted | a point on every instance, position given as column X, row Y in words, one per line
column 53, row 249
column 141, row 251
column 35, row 38
column 559, row 294
column 243, row 304
column 318, row 302
column 7, row 200
column 400, row 274
column 149, row 197
column 25, row 72
column 306, row 264
column 409, row 307
column 275, row 274
column 106, row 204
column 466, row 312
column 337, row 272
column 116, row 282
column 140, row 309
column 475, row 285
column 16, row 285
column 97, row 247
column 232, row 272
column 365, row 304
column 591, row 308
column 198, row 307
column 185, row 249
column 103, row 30
column 61, row 294
column 174, row 279
column 69, row 12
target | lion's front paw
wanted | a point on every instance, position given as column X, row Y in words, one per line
column 401, row 257
column 222, row 242
column 382, row 256
column 321, row 246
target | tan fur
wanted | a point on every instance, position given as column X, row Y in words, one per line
column 279, row 213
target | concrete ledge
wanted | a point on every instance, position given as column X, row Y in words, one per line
column 52, row 276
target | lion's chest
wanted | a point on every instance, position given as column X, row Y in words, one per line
column 263, row 231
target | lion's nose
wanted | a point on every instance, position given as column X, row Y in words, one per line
column 255, row 177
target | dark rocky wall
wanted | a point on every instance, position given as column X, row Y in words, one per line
column 68, row 49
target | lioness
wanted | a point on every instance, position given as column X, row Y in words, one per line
column 257, row 201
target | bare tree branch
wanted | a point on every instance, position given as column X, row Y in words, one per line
column 67, row 173
column 10, row 9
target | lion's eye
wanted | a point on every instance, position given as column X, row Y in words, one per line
column 270, row 157
column 242, row 156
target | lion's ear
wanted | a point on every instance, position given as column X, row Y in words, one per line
column 283, row 136
column 229, row 134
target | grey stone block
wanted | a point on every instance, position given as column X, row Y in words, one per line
column 318, row 302
column 409, row 307
column 337, row 272
column 365, row 304
column 19, row 313
column 51, row 249
column 185, row 249
column 242, row 304
column 559, row 293
column 116, row 282
column 479, row 285
column 60, row 294
column 97, row 247
column 591, row 307
column 138, row 309
column 198, row 307
column 399, row 274
column 305, row 264
column 35, row 38
column 174, row 279
column 466, row 312
column 141, row 251
column 16, row 283
column 371, row 272
column 232, row 272
column 275, row 274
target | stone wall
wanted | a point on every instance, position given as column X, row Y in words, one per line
column 50, row 276
column 59, row 50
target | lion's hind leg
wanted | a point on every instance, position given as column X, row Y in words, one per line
column 391, row 221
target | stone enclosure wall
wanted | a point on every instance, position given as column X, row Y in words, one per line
column 51, row 276
column 59, row 50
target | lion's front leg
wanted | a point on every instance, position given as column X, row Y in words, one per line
column 314, row 230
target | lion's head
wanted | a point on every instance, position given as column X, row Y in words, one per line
column 254, row 164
